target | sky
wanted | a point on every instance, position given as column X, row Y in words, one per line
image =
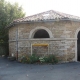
column 32, row 7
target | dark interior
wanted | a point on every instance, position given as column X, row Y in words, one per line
column 78, row 47
column 41, row 34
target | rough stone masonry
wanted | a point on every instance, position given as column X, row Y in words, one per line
column 60, row 29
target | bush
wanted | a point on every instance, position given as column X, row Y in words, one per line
column 51, row 59
column 41, row 59
column 30, row 59
column 34, row 59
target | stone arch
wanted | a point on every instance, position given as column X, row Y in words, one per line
column 76, row 34
column 33, row 31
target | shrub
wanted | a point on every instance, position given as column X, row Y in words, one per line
column 41, row 59
column 34, row 58
column 51, row 59
column 30, row 59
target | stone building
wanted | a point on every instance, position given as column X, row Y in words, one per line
column 46, row 33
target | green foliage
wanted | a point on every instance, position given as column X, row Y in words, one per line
column 29, row 59
column 34, row 59
column 51, row 59
column 42, row 60
column 8, row 12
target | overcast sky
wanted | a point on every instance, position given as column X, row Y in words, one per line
column 32, row 7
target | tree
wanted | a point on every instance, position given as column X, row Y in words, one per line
column 8, row 12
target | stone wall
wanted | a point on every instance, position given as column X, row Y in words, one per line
column 70, row 46
column 61, row 44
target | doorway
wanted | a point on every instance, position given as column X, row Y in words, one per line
column 78, row 46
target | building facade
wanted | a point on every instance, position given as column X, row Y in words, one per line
column 46, row 33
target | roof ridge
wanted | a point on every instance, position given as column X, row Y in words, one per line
column 52, row 15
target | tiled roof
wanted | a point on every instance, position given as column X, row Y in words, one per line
column 48, row 15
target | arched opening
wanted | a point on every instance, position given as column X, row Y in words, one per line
column 41, row 34
column 78, row 46
column 35, row 30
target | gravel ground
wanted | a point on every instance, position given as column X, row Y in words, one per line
column 13, row 70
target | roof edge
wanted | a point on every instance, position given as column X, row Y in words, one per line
column 51, row 20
